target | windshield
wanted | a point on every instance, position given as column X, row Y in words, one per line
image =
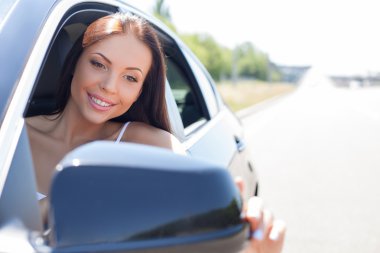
column 6, row 7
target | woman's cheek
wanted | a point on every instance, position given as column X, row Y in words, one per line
column 131, row 93
column 82, row 77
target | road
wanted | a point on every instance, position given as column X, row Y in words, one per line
column 317, row 152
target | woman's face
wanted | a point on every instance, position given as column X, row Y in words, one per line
column 109, row 76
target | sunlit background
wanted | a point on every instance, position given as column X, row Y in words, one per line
column 246, row 42
column 338, row 36
column 315, row 143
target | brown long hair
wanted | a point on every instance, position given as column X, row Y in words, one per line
column 150, row 107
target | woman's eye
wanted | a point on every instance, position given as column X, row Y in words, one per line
column 130, row 78
column 97, row 64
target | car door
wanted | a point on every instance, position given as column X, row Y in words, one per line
column 24, row 44
column 27, row 39
column 210, row 130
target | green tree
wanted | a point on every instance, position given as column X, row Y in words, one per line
column 221, row 62
column 251, row 63
column 162, row 12
column 245, row 55
column 215, row 58
column 227, row 62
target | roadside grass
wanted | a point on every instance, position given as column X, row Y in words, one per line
column 246, row 93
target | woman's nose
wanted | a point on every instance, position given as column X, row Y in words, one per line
column 109, row 84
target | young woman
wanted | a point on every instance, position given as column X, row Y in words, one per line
column 112, row 88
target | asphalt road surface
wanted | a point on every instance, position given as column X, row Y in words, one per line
column 317, row 152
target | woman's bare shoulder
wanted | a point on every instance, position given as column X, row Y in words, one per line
column 143, row 133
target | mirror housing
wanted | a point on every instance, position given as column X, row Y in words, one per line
column 109, row 197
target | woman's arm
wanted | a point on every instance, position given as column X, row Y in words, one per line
column 142, row 133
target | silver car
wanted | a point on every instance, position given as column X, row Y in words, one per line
column 35, row 37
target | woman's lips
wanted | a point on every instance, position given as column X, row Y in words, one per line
column 100, row 103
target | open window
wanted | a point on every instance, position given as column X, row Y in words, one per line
column 187, row 95
column 71, row 27
column 183, row 84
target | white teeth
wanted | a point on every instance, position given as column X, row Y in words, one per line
column 100, row 102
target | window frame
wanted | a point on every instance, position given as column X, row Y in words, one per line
column 13, row 122
column 201, row 90
column 205, row 83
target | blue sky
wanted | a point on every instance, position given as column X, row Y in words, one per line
column 337, row 36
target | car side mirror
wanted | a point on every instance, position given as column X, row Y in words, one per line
column 109, row 197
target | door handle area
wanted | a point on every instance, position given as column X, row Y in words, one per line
column 240, row 144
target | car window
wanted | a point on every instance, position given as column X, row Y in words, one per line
column 205, row 84
column 184, row 85
column 42, row 101
column 186, row 99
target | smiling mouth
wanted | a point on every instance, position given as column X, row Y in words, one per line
column 99, row 102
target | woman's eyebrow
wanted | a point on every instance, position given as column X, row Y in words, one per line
column 134, row 68
column 105, row 58
column 128, row 68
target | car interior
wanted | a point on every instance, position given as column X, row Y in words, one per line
column 180, row 78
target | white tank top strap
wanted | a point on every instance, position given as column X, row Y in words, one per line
column 122, row 132
column 40, row 196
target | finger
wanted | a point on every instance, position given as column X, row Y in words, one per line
column 263, row 229
column 44, row 209
column 255, row 212
column 267, row 222
column 240, row 185
column 277, row 232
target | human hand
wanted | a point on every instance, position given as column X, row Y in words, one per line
column 44, row 210
column 266, row 233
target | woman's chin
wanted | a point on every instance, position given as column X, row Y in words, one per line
column 96, row 118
